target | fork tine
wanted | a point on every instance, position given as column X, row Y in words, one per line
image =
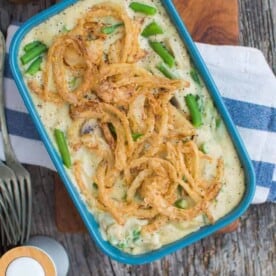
column 5, row 235
column 16, row 195
column 9, row 203
column 12, row 192
column 4, row 228
column 29, row 200
column 7, row 219
column 10, row 211
column 2, row 237
column 9, row 224
column 23, row 209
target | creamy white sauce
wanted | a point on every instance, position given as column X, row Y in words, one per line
column 217, row 140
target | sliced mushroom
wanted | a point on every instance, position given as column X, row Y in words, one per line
column 89, row 126
column 174, row 101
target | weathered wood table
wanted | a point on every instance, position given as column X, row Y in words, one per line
column 248, row 251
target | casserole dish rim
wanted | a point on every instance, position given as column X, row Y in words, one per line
column 86, row 215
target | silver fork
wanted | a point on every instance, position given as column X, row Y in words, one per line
column 24, row 202
column 9, row 224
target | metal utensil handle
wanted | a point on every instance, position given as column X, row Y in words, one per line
column 9, row 153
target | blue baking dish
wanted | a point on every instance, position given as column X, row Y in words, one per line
column 87, row 217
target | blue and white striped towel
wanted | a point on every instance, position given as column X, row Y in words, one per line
column 248, row 87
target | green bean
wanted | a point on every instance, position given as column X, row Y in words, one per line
column 112, row 130
column 124, row 197
column 35, row 66
column 33, row 53
column 194, row 75
column 136, row 235
column 165, row 70
column 95, row 185
column 73, row 82
column 179, row 189
column 194, row 110
column 122, row 245
column 203, row 148
column 163, row 52
column 63, row 147
column 205, row 219
column 64, row 29
column 111, row 29
column 31, row 45
column 152, row 29
column 146, row 9
column 218, row 122
column 136, row 136
column 181, row 203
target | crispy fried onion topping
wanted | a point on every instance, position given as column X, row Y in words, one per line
column 153, row 171
column 147, row 159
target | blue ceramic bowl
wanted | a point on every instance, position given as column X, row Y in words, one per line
column 87, row 217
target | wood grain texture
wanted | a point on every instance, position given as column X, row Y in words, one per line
column 258, row 27
column 67, row 218
column 213, row 21
column 248, row 251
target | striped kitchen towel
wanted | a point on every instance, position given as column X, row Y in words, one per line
column 248, row 87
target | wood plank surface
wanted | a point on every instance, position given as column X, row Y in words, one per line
column 67, row 218
column 248, row 251
column 258, row 27
column 218, row 25
column 214, row 21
